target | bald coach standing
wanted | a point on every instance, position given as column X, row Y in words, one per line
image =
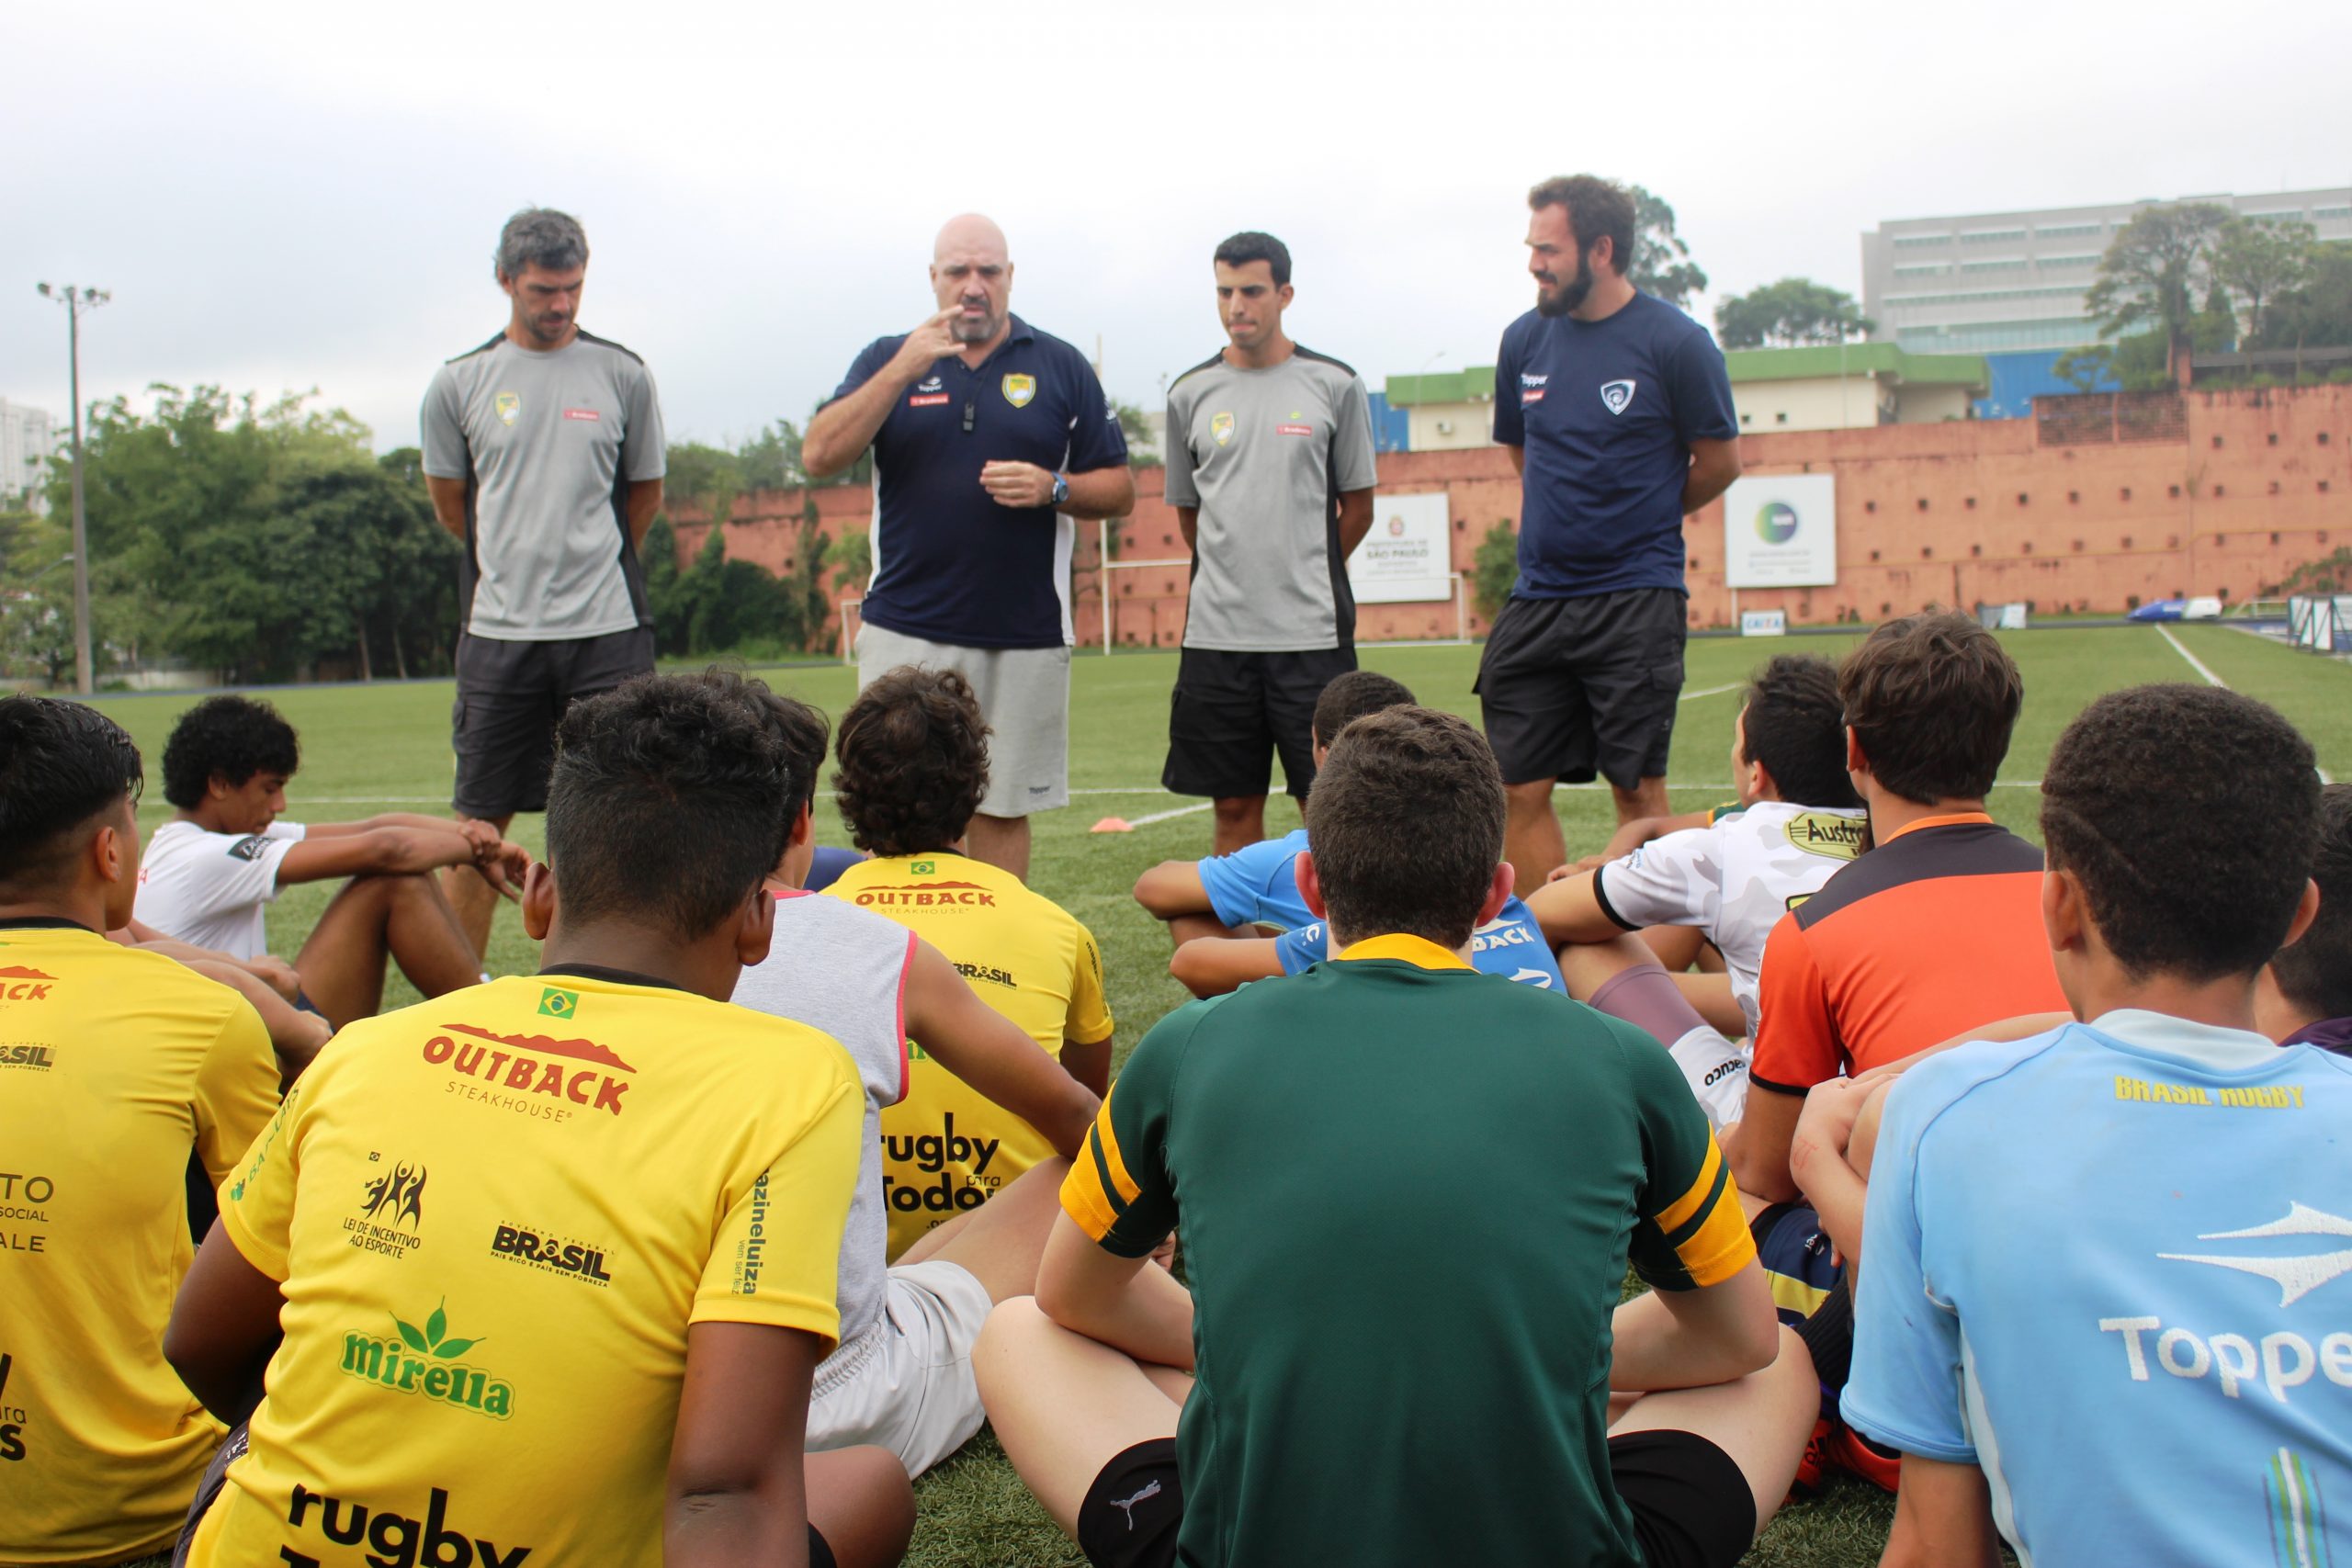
column 990, row 438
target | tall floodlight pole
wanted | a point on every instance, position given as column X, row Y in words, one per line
column 78, row 302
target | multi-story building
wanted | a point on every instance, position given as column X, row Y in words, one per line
column 28, row 439
column 1996, row 281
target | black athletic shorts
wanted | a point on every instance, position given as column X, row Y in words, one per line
column 510, row 695
column 216, row 1477
column 1574, row 687
column 1231, row 712
column 1690, row 1501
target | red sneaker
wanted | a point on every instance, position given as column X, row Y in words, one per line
column 1856, row 1455
column 1820, row 1457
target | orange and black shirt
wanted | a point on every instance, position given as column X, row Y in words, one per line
column 1936, row 931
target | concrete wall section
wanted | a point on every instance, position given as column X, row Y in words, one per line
column 2238, row 488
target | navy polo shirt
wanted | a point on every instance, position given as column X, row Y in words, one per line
column 1606, row 411
column 950, row 565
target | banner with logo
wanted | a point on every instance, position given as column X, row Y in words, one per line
column 1407, row 559
column 1781, row 532
column 1763, row 623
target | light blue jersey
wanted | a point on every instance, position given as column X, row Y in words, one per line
column 2111, row 1265
column 1510, row 944
column 1255, row 885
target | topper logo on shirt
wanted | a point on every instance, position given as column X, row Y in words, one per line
column 522, row 1067
column 18, row 983
column 2297, row 1276
column 509, row 407
column 1615, row 395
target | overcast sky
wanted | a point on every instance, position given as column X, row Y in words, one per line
column 287, row 196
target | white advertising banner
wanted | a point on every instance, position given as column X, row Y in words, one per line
column 1781, row 532
column 1763, row 623
column 1407, row 559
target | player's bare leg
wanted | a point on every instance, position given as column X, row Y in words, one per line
column 1240, row 822
column 1064, row 1405
column 1002, row 841
column 1533, row 841
column 472, row 896
column 1001, row 1243
column 1646, row 798
column 862, row 1503
column 1676, row 948
column 376, row 918
column 1761, row 1421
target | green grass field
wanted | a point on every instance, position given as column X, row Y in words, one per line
column 384, row 749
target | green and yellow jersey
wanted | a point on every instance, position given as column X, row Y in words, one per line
column 1409, row 1194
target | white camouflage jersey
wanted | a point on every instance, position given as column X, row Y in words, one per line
column 1733, row 880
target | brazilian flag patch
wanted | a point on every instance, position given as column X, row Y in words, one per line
column 559, row 1004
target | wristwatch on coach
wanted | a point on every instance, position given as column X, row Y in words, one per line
column 1062, row 490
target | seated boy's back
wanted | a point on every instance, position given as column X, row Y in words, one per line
column 115, row 1066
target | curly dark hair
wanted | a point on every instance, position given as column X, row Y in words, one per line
column 1349, row 696
column 1597, row 209
column 1794, row 726
column 666, row 804
column 231, row 739
column 61, row 764
column 2190, row 815
column 1933, row 699
column 803, row 731
column 915, row 761
column 2315, row 973
column 1405, row 826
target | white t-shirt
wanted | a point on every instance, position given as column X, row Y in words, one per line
column 843, row 970
column 1733, row 880
column 206, row 889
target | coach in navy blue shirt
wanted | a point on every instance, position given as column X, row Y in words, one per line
column 1617, row 414
column 989, row 437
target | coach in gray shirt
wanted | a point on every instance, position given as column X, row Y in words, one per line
column 1270, row 470
column 543, row 453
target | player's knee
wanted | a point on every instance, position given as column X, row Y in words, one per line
column 1015, row 1330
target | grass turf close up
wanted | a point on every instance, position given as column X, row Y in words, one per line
column 386, row 748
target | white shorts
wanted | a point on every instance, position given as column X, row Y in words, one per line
column 1024, row 697
column 910, row 1387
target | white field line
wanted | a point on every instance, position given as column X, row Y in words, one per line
column 1164, row 815
column 2210, row 678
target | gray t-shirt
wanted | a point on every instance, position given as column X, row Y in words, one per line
column 842, row 970
column 550, row 443
column 1265, row 456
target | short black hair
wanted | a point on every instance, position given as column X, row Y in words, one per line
column 1252, row 246
column 61, row 764
column 2190, row 814
column 915, row 761
column 1933, row 698
column 1795, row 727
column 2315, row 973
column 1405, row 826
column 226, row 737
column 1598, row 209
column 666, row 804
column 805, row 733
column 1349, row 696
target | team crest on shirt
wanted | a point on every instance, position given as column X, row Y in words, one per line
column 1615, row 395
column 1019, row 389
column 509, row 407
column 1221, row 429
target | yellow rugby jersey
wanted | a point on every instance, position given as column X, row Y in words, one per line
column 494, row 1216
column 114, row 1065
column 946, row 1147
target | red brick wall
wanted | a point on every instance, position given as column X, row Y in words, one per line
column 2230, row 497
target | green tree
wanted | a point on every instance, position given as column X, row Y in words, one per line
column 1662, row 264
column 771, row 459
column 1792, row 312
column 1136, row 428
column 2316, row 310
column 703, row 475
column 2259, row 260
column 850, row 556
column 1494, row 569
column 2154, row 272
